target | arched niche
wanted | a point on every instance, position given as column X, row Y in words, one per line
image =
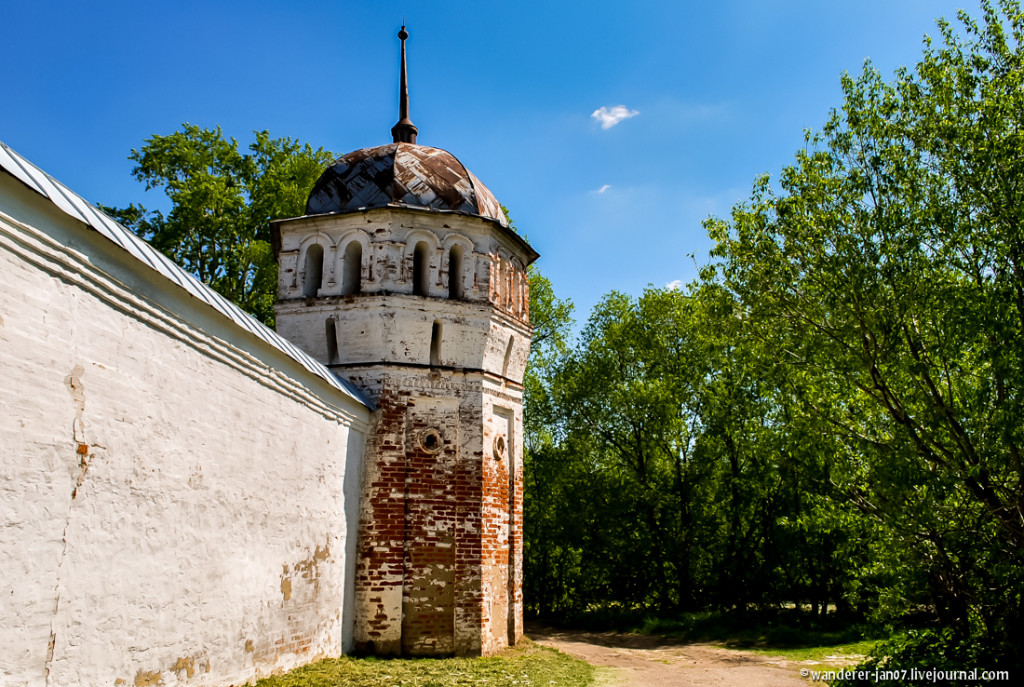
column 420, row 249
column 458, row 255
column 313, row 270
column 354, row 254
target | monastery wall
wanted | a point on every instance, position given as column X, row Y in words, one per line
column 178, row 498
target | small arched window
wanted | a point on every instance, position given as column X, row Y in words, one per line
column 353, row 265
column 455, row 273
column 332, row 341
column 524, row 295
column 420, row 269
column 435, row 343
column 314, row 270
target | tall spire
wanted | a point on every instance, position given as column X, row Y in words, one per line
column 405, row 131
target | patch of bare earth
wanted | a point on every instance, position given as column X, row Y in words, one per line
column 632, row 660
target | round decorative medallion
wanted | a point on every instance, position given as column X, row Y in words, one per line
column 499, row 447
column 430, row 440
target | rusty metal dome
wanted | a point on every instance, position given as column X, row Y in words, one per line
column 402, row 175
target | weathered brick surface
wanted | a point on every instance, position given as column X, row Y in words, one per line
column 439, row 568
column 502, row 519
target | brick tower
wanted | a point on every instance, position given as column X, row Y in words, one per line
column 405, row 278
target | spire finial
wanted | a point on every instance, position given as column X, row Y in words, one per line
column 405, row 131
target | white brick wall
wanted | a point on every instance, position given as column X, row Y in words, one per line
column 177, row 499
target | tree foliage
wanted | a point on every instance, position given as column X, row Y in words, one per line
column 832, row 414
column 222, row 201
column 886, row 274
column 675, row 482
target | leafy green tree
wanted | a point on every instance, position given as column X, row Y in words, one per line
column 886, row 277
column 552, row 321
column 628, row 401
column 548, row 477
column 688, row 424
column 222, row 202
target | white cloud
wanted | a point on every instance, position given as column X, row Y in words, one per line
column 610, row 116
column 674, row 285
column 603, row 189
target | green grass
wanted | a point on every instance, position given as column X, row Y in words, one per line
column 788, row 635
column 845, row 653
column 528, row 665
column 786, row 632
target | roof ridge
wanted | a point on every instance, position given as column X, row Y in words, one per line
column 82, row 210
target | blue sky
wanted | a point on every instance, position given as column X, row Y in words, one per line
column 719, row 92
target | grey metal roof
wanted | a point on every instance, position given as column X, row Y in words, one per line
column 78, row 208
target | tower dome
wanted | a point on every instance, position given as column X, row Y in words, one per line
column 405, row 175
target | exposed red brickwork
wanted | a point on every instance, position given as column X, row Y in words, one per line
column 440, row 537
column 502, row 526
column 431, row 518
column 380, row 562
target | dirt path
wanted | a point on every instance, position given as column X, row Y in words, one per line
column 634, row 660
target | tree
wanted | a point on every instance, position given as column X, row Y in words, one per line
column 630, row 397
column 886, row 277
column 222, row 202
column 676, row 480
column 546, row 485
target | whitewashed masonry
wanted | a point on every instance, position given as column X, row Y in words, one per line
column 178, row 484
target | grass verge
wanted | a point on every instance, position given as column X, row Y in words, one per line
column 528, row 665
column 787, row 632
column 840, row 654
column 791, row 635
